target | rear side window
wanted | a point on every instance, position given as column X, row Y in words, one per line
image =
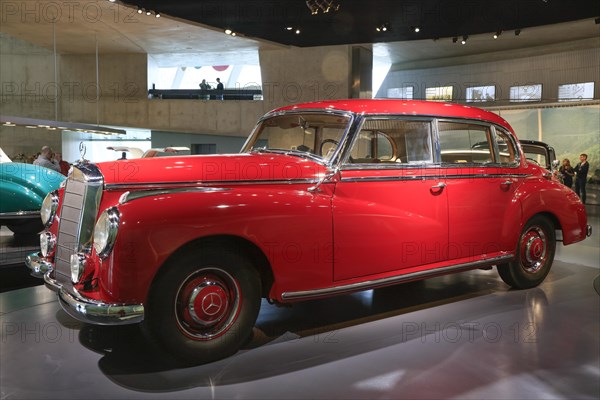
column 506, row 149
column 464, row 143
column 393, row 141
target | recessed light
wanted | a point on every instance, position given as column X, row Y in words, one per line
column 297, row 31
column 228, row 31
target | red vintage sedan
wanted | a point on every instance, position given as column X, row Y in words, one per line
column 324, row 198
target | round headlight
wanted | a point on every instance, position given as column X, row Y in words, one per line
column 49, row 207
column 105, row 231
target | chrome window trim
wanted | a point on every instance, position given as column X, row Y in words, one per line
column 515, row 143
column 363, row 118
column 328, row 163
column 372, row 284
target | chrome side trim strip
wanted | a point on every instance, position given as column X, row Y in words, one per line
column 429, row 177
column 353, row 287
column 191, row 184
column 140, row 194
column 20, row 214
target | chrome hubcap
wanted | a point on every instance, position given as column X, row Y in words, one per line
column 208, row 303
column 534, row 249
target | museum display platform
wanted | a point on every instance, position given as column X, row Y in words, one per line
column 463, row 336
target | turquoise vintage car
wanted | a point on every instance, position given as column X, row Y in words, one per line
column 23, row 188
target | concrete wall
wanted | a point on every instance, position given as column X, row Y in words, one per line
column 549, row 65
column 296, row 75
column 225, row 144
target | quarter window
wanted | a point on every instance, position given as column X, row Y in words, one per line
column 506, row 149
column 465, row 143
column 393, row 141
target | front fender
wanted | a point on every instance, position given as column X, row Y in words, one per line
column 288, row 224
column 24, row 186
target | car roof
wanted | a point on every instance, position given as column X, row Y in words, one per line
column 403, row 107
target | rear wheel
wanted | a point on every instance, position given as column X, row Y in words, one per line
column 534, row 257
column 204, row 305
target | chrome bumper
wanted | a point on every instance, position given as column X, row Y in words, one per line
column 93, row 311
column 37, row 265
column 588, row 231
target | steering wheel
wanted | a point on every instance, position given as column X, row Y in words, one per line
column 327, row 141
column 533, row 161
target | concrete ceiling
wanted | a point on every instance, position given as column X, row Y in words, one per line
column 120, row 29
column 440, row 52
column 172, row 41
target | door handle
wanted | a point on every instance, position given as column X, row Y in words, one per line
column 507, row 182
column 437, row 189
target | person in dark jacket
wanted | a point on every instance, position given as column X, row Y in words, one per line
column 581, row 172
column 567, row 172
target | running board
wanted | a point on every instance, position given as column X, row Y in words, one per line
column 373, row 284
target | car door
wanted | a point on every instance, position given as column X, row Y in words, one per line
column 390, row 208
column 480, row 191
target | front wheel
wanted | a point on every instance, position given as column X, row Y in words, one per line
column 534, row 257
column 204, row 304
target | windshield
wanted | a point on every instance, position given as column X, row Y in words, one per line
column 311, row 134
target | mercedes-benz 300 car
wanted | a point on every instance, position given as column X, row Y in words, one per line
column 324, row 198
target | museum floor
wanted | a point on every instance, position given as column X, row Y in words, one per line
column 465, row 336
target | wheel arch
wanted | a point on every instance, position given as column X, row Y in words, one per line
column 238, row 244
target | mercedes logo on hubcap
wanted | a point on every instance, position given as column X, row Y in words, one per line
column 212, row 304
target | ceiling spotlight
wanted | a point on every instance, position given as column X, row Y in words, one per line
column 454, row 39
column 597, row 21
column 140, row 10
column 497, row 34
column 233, row 33
column 383, row 27
column 517, row 32
column 324, row 6
column 112, row 1
column 288, row 28
column 297, row 31
column 148, row 12
column 228, row 31
column 464, row 39
column 157, row 15
column 416, row 29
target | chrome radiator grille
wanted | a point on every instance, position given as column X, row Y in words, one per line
column 80, row 204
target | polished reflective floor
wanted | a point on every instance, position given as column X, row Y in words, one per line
column 465, row 336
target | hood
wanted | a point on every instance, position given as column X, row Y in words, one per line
column 243, row 167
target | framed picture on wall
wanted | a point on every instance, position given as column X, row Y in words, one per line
column 404, row 93
column 576, row 91
column 526, row 93
column 439, row 93
column 481, row 93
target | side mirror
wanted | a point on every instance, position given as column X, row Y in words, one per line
column 555, row 164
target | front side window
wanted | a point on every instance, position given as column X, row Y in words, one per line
column 392, row 141
column 311, row 134
column 465, row 143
